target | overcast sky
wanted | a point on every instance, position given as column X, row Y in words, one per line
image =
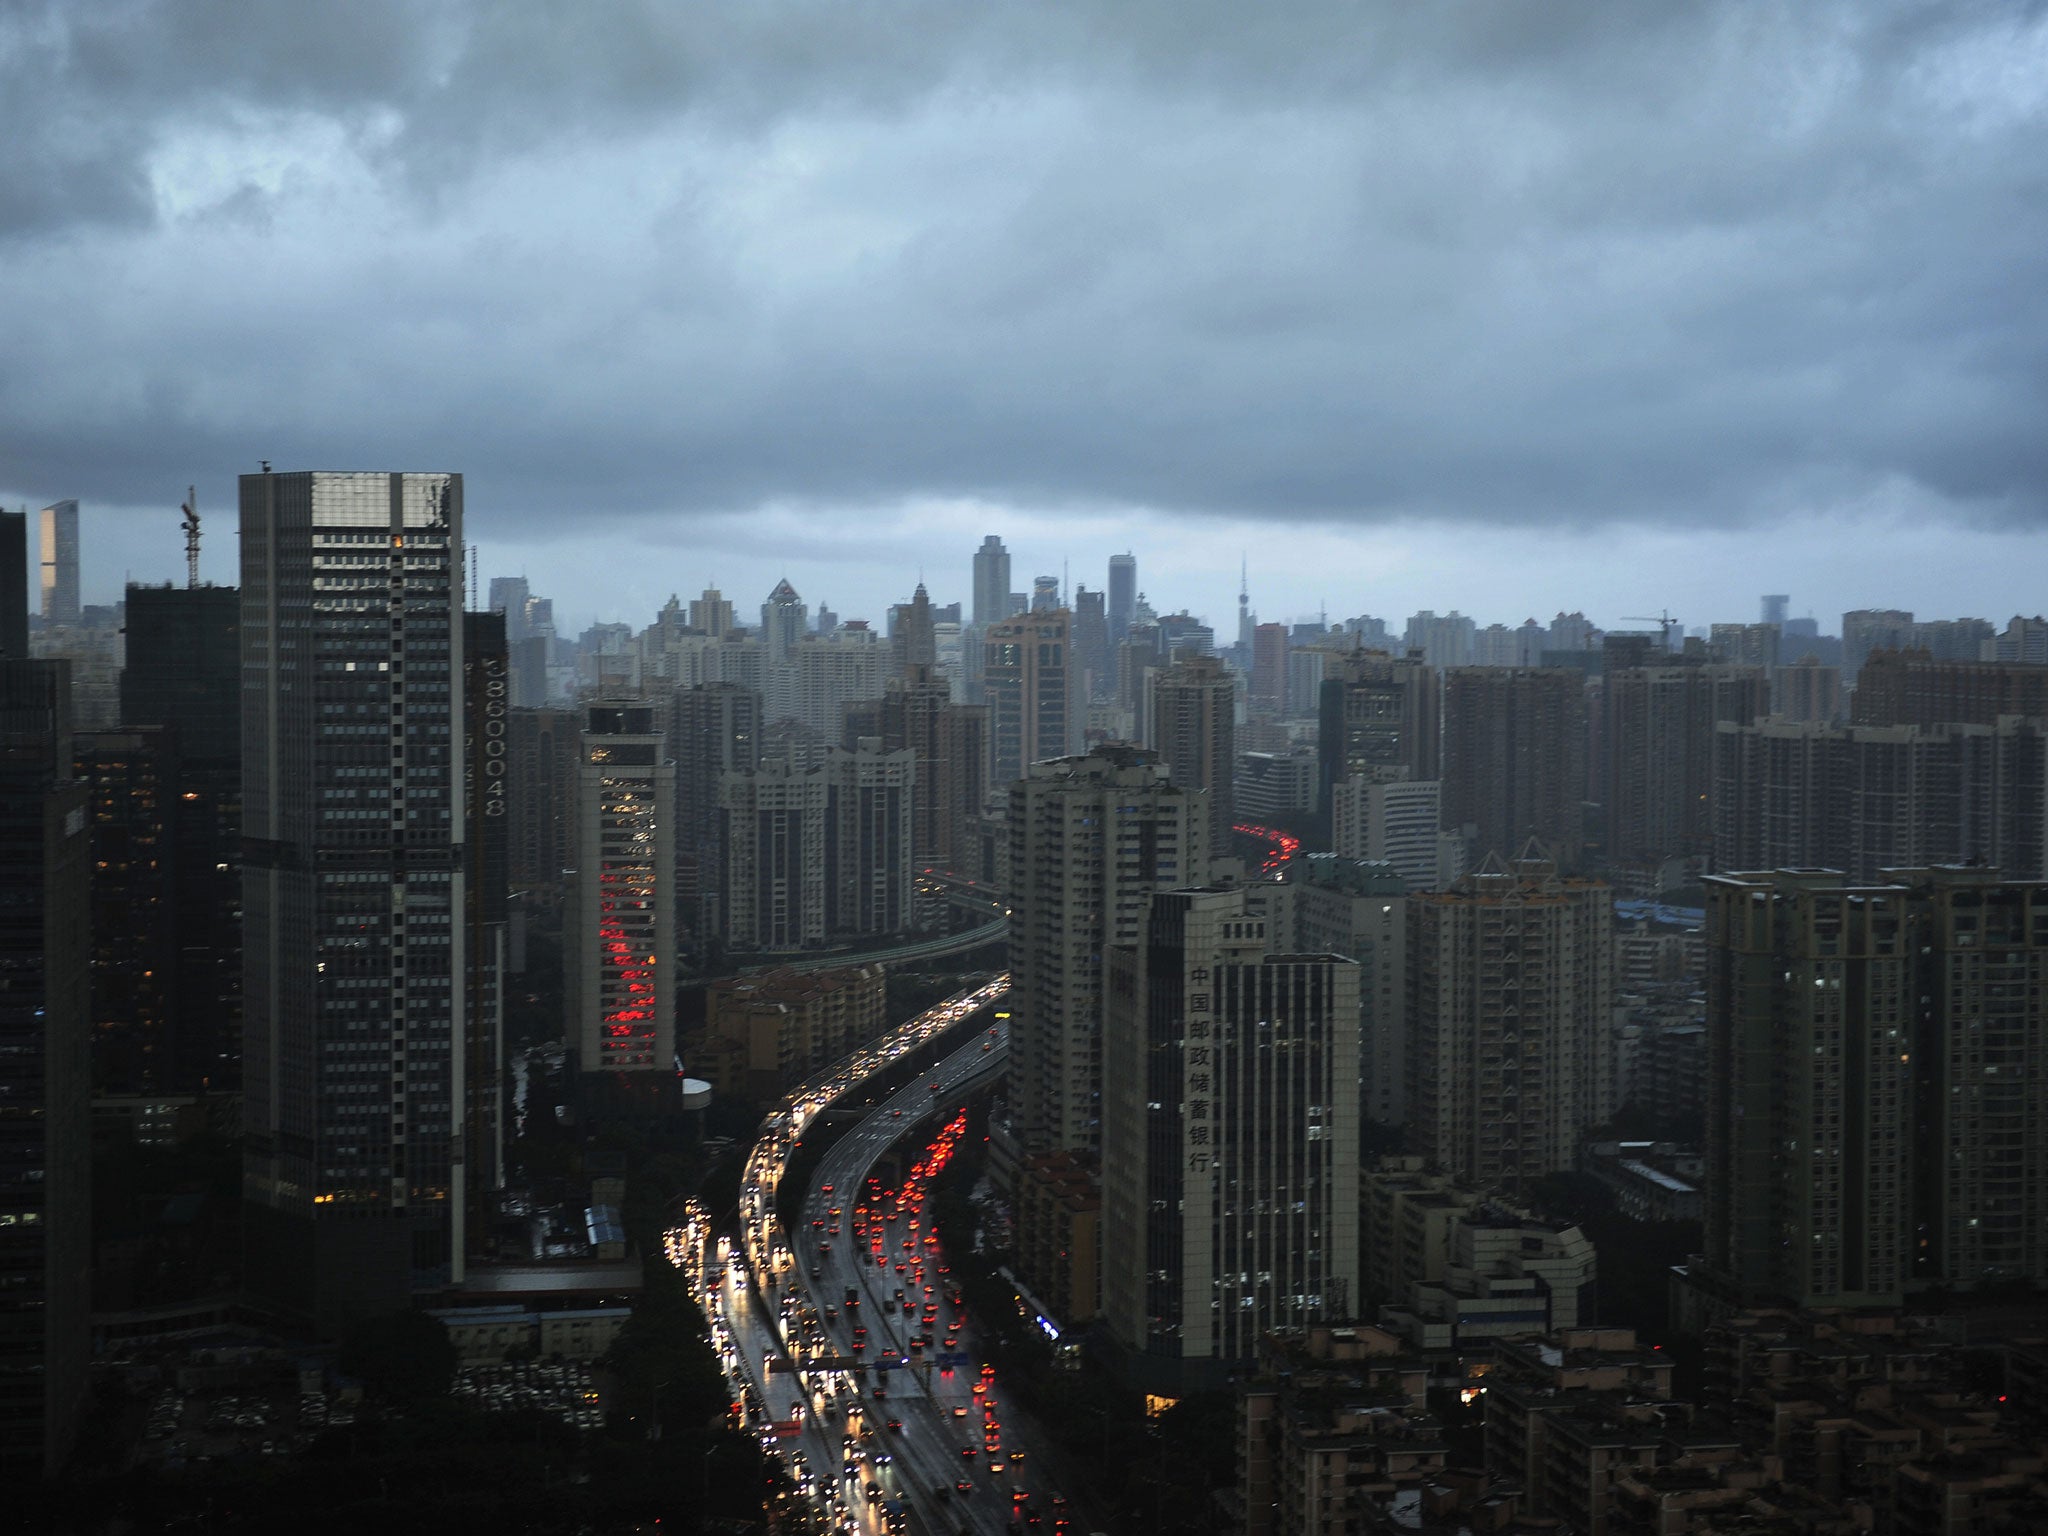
column 1508, row 308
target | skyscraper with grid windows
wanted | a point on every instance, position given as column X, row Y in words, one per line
column 354, row 887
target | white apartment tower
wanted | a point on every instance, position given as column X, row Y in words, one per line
column 1090, row 839
column 1383, row 814
column 1229, row 1143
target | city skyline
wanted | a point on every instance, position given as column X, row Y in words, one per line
column 1993, row 578
column 1613, row 310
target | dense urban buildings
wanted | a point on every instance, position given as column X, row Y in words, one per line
column 183, row 677
column 1862, row 799
column 1090, row 838
column 1514, row 759
column 1194, row 731
column 1511, row 995
column 1660, row 732
column 354, row 809
column 1869, row 1122
column 1377, row 711
column 1229, row 1118
column 1029, row 682
column 45, row 1071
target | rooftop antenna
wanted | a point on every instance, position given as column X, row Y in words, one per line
column 191, row 510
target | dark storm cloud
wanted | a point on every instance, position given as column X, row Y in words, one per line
column 1584, row 263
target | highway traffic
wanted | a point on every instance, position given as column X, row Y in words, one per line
column 846, row 1345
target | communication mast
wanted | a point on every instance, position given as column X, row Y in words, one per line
column 191, row 511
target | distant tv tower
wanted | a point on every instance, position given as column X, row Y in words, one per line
column 1244, row 606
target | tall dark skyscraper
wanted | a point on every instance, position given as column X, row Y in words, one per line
column 355, row 889
column 1092, row 651
column 1194, row 730
column 45, row 1114
column 717, row 730
column 950, row 745
column 57, row 558
column 991, row 582
column 1123, row 597
column 131, row 777
column 184, row 677
column 13, row 586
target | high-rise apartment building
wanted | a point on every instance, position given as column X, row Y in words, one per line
column 1029, row 686
column 1514, row 759
column 2022, row 640
column 1864, row 799
column 618, row 937
column 1444, row 640
column 1378, row 711
column 1383, row 814
column 1899, row 689
column 57, row 559
column 1810, row 1041
column 825, row 674
column 711, row 614
column 868, row 875
column 1511, row 1033
column 1807, row 691
column 1871, row 629
column 1230, row 1123
column 1090, row 838
column 773, row 821
column 991, row 582
column 1194, row 731
column 950, row 745
column 1871, row 1123
column 1659, row 734
column 355, row 807
column 45, row 1075
column 716, row 730
column 1980, row 943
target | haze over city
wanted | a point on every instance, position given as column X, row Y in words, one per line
column 1601, row 308
column 958, row 768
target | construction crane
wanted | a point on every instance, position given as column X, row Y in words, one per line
column 1664, row 622
column 191, row 511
